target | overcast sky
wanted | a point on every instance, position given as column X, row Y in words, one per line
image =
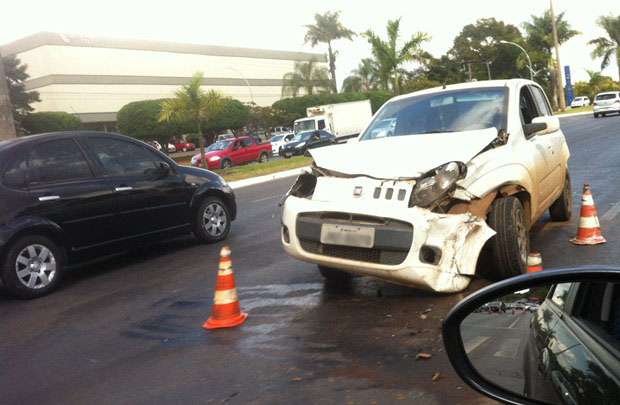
column 274, row 24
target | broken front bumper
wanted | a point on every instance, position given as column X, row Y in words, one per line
column 411, row 246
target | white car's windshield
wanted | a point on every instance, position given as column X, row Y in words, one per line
column 277, row 138
column 449, row 111
column 608, row 96
column 219, row 145
column 305, row 125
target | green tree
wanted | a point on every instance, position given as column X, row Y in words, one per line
column 444, row 70
column 597, row 83
column 140, row 119
column 326, row 29
column 194, row 106
column 479, row 42
column 539, row 40
column 232, row 114
column 50, row 121
column 364, row 78
column 390, row 58
column 608, row 48
column 307, row 76
column 21, row 99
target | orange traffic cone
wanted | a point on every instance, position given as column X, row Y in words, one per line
column 534, row 262
column 589, row 232
column 226, row 312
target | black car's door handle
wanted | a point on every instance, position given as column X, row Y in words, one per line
column 123, row 188
column 49, row 198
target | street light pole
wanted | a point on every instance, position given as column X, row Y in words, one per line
column 558, row 69
column 247, row 83
column 529, row 61
column 7, row 125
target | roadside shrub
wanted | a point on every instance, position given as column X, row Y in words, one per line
column 140, row 119
column 50, row 121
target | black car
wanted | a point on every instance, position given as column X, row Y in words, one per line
column 306, row 140
column 573, row 350
column 74, row 196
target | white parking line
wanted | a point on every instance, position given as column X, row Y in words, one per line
column 611, row 213
column 512, row 325
column 475, row 342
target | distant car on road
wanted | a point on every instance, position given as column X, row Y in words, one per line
column 73, row 196
column 278, row 141
column 606, row 103
column 581, row 101
column 280, row 130
column 235, row 151
column 304, row 141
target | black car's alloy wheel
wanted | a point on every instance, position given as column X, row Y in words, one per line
column 212, row 220
column 32, row 267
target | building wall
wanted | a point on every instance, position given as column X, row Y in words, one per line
column 95, row 77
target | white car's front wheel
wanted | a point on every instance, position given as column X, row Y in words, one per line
column 509, row 248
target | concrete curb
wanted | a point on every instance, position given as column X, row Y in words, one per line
column 264, row 179
column 575, row 114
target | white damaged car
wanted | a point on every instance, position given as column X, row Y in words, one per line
column 435, row 177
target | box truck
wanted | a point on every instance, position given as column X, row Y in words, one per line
column 344, row 120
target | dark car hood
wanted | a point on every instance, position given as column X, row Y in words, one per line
column 198, row 175
column 292, row 145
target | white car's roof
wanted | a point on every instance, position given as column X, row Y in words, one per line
column 510, row 83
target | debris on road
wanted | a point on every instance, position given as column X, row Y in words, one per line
column 436, row 376
column 423, row 356
column 296, row 379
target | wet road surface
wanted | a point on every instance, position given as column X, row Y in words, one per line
column 128, row 330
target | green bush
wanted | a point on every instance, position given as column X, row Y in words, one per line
column 140, row 119
column 50, row 121
column 234, row 114
column 295, row 107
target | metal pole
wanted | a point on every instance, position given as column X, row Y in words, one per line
column 529, row 61
column 7, row 125
column 469, row 70
column 488, row 69
column 247, row 83
column 558, row 69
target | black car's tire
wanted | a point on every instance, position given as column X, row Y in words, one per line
column 335, row 275
column 212, row 221
column 263, row 157
column 509, row 248
column 562, row 208
column 286, row 156
column 226, row 163
column 32, row 267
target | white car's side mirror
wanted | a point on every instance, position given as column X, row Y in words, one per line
column 551, row 122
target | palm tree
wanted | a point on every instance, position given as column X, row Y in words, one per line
column 607, row 48
column 364, row 78
column 193, row 105
column 389, row 58
column 540, row 40
column 308, row 76
column 327, row 28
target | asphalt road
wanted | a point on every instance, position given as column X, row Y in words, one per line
column 128, row 330
column 495, row 343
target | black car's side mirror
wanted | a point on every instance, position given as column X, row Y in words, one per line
column 163, row 170
column 523, row 340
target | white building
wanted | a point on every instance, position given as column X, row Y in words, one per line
column 94, row 77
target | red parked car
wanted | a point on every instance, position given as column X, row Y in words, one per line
column 183, row 146
column 229, row 152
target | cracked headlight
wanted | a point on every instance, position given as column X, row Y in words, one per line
column 439, row 183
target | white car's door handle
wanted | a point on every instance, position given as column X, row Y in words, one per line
column 49, row 198
column 123, row 188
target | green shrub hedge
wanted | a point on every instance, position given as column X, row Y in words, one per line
column 50, row 121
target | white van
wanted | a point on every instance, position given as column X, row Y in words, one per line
column 580, row 102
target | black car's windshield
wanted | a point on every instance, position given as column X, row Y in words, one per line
column 448, row 111
column 302, row 136
column 219, row 145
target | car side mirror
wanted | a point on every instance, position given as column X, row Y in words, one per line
column 542, row 125
column 516, row 341
column 163, row 169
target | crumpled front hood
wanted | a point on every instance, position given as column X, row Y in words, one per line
column 402, row 156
